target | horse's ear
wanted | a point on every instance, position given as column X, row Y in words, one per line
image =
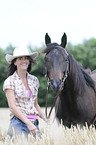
column 47, row 39
column 64, row 40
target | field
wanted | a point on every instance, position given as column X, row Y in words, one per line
column 51, row 134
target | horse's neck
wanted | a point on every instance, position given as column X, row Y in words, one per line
column 75, row 78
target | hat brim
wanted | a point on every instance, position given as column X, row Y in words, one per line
column 9, row 57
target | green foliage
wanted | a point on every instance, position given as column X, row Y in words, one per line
column 9, row 49
column 39, row 68
column 84, row 53
column 3, row 65
column 3, row 99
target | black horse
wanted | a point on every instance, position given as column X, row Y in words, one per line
column 76, row 103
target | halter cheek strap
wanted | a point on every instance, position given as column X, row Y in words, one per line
column 66, row 74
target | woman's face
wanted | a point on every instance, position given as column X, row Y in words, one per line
column 22, row 63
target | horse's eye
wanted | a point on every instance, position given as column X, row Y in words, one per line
column 46, row 59
column 66, row 59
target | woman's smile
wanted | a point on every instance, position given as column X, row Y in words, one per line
column 22, row 62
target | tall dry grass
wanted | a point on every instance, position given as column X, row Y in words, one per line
column 51, row 134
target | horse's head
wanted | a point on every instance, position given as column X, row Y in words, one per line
column 56, row 62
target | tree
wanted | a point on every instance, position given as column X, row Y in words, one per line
column 84, row 53
column 3, row 65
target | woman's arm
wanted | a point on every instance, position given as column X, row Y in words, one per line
column 16, row 111
column 39, row 110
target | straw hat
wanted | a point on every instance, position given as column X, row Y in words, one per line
column 19, row 52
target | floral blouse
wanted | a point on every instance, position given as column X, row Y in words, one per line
column 23, row 100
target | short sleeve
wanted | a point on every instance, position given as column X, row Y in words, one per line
column 8, row 83
column 37, row 83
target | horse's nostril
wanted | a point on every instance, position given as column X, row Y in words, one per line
column 52, row 82
column 55, row 84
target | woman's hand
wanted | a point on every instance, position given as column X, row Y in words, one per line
column 32, row 128
column 47, row 120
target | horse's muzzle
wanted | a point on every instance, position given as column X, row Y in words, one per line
column 55, row 85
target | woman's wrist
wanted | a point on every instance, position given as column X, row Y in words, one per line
column 43, row 116
column 27, row 121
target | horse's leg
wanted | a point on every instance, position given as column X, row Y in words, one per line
column 62, row 113
column 94, row 121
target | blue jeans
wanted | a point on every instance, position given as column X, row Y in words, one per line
column 18, row 127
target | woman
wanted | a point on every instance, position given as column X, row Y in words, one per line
column 21, row 89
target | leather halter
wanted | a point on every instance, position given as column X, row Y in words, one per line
column 61, row 88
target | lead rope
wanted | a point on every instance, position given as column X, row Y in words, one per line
column 46, row 100
column 46, row 103
column 52, row 105
column 66, row 73
column 52, row 108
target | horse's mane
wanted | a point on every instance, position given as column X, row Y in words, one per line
column 50, row 47
column 82, row 73
column 89, row 80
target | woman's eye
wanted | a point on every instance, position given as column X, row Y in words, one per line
column 20, row 58
column 27, row 58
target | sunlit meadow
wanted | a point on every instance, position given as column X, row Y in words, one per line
column 51, row 133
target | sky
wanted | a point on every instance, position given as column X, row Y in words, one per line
column 25, row 22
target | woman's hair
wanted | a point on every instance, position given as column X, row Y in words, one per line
column 12, row 67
